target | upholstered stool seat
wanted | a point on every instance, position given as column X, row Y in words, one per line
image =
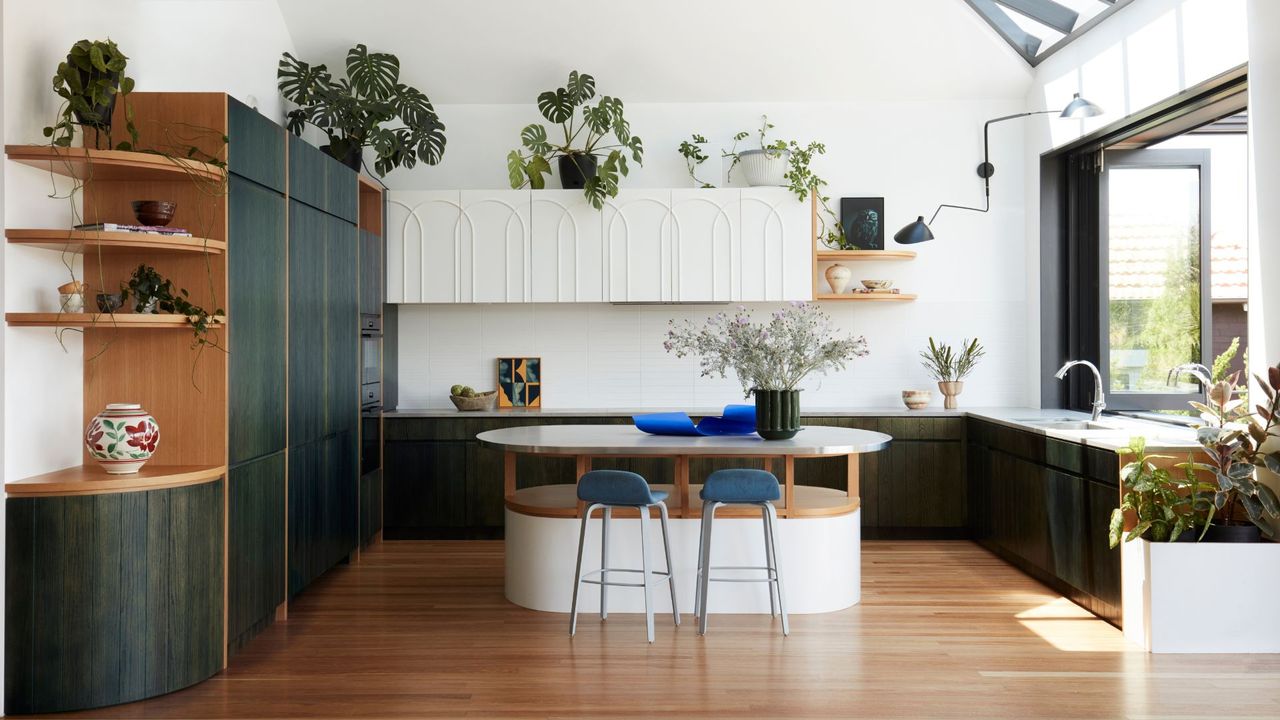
column 741, row 487
column 604, row 490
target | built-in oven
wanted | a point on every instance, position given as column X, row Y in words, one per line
column 370, row 359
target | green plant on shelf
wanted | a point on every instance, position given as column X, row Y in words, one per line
column 1164, row 505
column 151, row 292
column 694, row 155
column 89, row 82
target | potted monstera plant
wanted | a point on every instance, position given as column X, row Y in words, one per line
column 360, row 110
column 588, row 132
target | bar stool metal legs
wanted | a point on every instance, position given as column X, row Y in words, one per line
column 649, row 576
column 773, row 573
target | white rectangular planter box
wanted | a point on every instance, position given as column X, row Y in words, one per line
column 1201, row 597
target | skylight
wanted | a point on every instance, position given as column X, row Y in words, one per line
column 1038, row 28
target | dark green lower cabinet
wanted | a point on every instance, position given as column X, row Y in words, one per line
column 255, row 569
column 425, row 488
column 323, row 512
column 370, row 506
column 111, row 598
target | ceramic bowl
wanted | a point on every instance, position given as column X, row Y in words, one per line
column 154, row 212
column 917, row 399
column 110, row 302
column 480, row 401
column 877, row 284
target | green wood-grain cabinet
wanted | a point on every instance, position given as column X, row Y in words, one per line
column 308, row 168
column 112, row 597
column 308, row 383
column 256, row 546
column 258, row 301
column 255, row 147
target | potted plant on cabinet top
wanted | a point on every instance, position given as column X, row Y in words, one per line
column 579, row 164
column 950, row 368
column 770, row 359
column 89, row 83
column 354, row 112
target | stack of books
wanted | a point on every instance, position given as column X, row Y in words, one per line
column 143, row 229
column 869, row 291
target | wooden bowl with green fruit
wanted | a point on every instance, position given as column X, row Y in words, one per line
column 466, row 399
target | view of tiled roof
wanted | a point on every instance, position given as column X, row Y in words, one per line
column 1140, row 257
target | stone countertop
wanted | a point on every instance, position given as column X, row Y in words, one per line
column 1111, row 433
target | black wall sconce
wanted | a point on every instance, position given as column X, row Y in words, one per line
column 918, row 231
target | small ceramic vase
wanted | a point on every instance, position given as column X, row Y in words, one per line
column 838, row 277
column 949, row 391
column 917, row 399
column 122, row 438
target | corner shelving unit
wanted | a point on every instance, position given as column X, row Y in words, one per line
column 79, row 241
column 823, row 256
column 121, row 321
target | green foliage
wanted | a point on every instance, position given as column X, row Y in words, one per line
column 1167, row 327
column 152, row 292
column 1234, row 438
column 694, row 155
column 944, row 364
column 356, row 112
column 93, row 74
column 1164, row 506
column 568, row 107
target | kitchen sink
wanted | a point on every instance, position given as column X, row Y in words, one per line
column 1072, row 425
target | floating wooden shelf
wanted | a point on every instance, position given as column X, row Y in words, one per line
column 87, row 163
column 101, row 320
column 93, row 480
column 78, row 240
column 865, row 255
column 868, row 297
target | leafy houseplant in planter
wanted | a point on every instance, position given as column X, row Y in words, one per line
column 770, row 359
column 579, row 164
column 950, row 368
column 1163, row 506
column 355, row 112
column 89, row 83
column 151, row 292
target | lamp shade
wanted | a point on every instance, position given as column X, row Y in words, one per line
column 916, row 232
column 1080, row 108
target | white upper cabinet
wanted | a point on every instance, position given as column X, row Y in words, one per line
column 424, row 247
column 638, row 229
column 566, row 263
column 687, row 245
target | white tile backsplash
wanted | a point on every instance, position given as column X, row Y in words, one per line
column 611, row 356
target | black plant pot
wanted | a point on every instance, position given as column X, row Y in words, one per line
column 351, row 159
column 102, row 111
column 1233, row 534
column 576, row 170
column 777, row 413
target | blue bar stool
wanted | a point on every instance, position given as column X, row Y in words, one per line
column 741, row 487
column 606, row 490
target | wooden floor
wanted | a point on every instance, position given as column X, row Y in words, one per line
column 421, row 630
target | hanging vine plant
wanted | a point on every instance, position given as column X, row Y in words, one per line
column 90, row 82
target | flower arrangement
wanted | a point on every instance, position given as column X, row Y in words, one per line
column 798, row 340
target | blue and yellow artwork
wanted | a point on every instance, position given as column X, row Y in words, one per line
column 519, row 382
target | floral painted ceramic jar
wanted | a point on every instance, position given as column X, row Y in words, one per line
column 122, row 438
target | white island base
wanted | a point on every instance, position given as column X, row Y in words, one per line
column 819, row 559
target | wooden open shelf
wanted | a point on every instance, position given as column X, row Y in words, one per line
column 78, row 240
column 87, row 163
column 102, row 320
column 93, row 480
column 867, row 297
column 865, row 255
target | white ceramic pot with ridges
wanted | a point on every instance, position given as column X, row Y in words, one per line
column 761, row 168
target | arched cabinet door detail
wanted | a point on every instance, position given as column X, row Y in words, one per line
column 646, row 245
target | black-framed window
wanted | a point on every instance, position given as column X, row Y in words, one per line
column 1092, row 191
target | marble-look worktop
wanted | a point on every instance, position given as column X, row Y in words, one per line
column 1113, row 435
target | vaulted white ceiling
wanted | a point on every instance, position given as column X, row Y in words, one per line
column 502, row 51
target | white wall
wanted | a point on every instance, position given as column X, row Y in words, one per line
column 1264, row 126
column 915, row 154
column 1144, row 53
column 230, row 46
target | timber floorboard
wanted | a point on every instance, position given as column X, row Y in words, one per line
column 420, row 629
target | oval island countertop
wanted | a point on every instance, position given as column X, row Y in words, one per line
column 812, row 441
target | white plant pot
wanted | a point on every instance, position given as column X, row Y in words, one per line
column 1201, row 597
column 761, row 169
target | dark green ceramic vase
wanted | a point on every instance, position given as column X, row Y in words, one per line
column 777, row 413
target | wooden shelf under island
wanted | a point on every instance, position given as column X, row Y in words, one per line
column 88, row 163
column 865, row 255
column 93, row 480
column 78, row 241
column 867, row 297
column 102, row 320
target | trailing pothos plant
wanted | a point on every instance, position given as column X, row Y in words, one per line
column 152, row 292
column 694, row 154
column 1164, row 505
column 89, row 82
column 585, row 130
column 355, row 112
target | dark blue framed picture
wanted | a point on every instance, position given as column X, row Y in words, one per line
column 863, row 222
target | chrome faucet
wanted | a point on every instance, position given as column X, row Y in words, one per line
column 1202, row 374
column 1099, row 400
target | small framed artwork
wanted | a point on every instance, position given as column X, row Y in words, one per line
column 519, row 382
column 863, row 222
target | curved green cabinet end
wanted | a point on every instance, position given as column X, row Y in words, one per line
column 112, row 598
